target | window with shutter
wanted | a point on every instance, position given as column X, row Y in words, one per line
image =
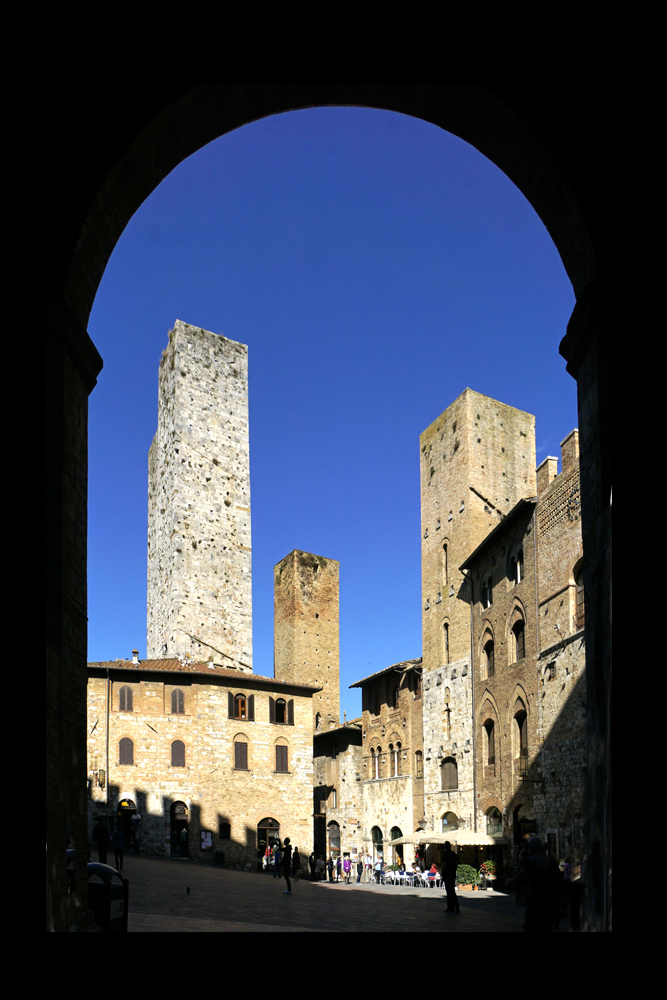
column 126, row 751
column 281, row 758
column 240, row 756
column 125, row 703
column 290, row 712
column 178, row 754
column 177, row 702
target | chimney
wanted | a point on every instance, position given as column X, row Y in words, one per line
column 546, row 473
column 569, row 449
column 135, row 656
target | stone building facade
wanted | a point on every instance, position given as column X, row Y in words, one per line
column 392, row 766
column 199, row 541
column 500, row 713
column 337, row 792
column 190, row 758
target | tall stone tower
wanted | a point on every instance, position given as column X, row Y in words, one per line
column 477, row 461
column 305, row 628
column 199, row 553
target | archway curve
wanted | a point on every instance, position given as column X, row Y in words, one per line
column 110, row 146
column 172, row 123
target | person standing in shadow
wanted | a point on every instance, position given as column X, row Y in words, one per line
column 449, row 863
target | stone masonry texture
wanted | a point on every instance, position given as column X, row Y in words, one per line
column 306, row 637
column 199, row 542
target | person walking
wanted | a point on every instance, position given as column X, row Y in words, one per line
column 449, row 863
column 101, row 837
column 347, row 868
column 330, row 867
column 360, row 870
column 286, row 861
column 119, row 847
column 296, row 864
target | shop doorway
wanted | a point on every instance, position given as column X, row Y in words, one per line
column 268, row 837
column 179, row 816
column 126, row 822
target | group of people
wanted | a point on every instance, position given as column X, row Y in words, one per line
column 103, row 838
column 546, row 892
column 283, row 862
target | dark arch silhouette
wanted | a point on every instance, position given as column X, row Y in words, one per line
column 110, row 146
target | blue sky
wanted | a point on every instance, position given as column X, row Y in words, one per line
column 376, row 266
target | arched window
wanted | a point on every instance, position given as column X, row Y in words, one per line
column 281, row 758
column 445, row 641
column 521, row 737
column 281, row 711
column 240, row 754
column 178, row 753
column 494, row 822
column 449, row 777
column 445, row 573
column 487, row 591
column 126, row 751
column 240, row 707
column 450, row 821
column 318, row 721
column 515, row 571
column 419, row 764
column 519, row 633
column 376, row 837
column 177, row 702
column 488, row 663
column 125, row 700
column 378, row 762
column 580, row 615
column 490, row 742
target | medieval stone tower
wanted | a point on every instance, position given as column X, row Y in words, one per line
column 477, row 461
column 199, row 551
column 306, row 645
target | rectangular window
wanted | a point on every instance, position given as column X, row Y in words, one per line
column 281, row 759
column 241, row 756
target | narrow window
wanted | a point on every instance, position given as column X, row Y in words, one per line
column 489, row 659
column 445, row 630
column 281, row 711
column 126, row 751
column 580, row 612
column 419, row 764
column 177, row 702
column 519, row 631
column 281, row 759
column 240, row 707
column 178, row 753
column 490, row 742
column 449, row 774
column 240, row 755
column 125, row 702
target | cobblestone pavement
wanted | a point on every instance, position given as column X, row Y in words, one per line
column 222, row 899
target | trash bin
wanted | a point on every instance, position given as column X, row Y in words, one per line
column 108, row 894
column 219, row 859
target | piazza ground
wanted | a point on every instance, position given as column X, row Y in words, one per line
column 222, row 899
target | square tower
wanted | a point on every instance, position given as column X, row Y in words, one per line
column 477, row 461
column 199, row 552
column 305, row 629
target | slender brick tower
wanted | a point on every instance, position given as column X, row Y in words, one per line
column 199, row 552
column 306, row 649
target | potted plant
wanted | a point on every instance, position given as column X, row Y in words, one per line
column 487, row 871
column 467, row 877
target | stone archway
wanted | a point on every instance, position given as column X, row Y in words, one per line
column 109, row 148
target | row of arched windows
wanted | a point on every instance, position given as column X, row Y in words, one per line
column 519, row 737
column 516, row 646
